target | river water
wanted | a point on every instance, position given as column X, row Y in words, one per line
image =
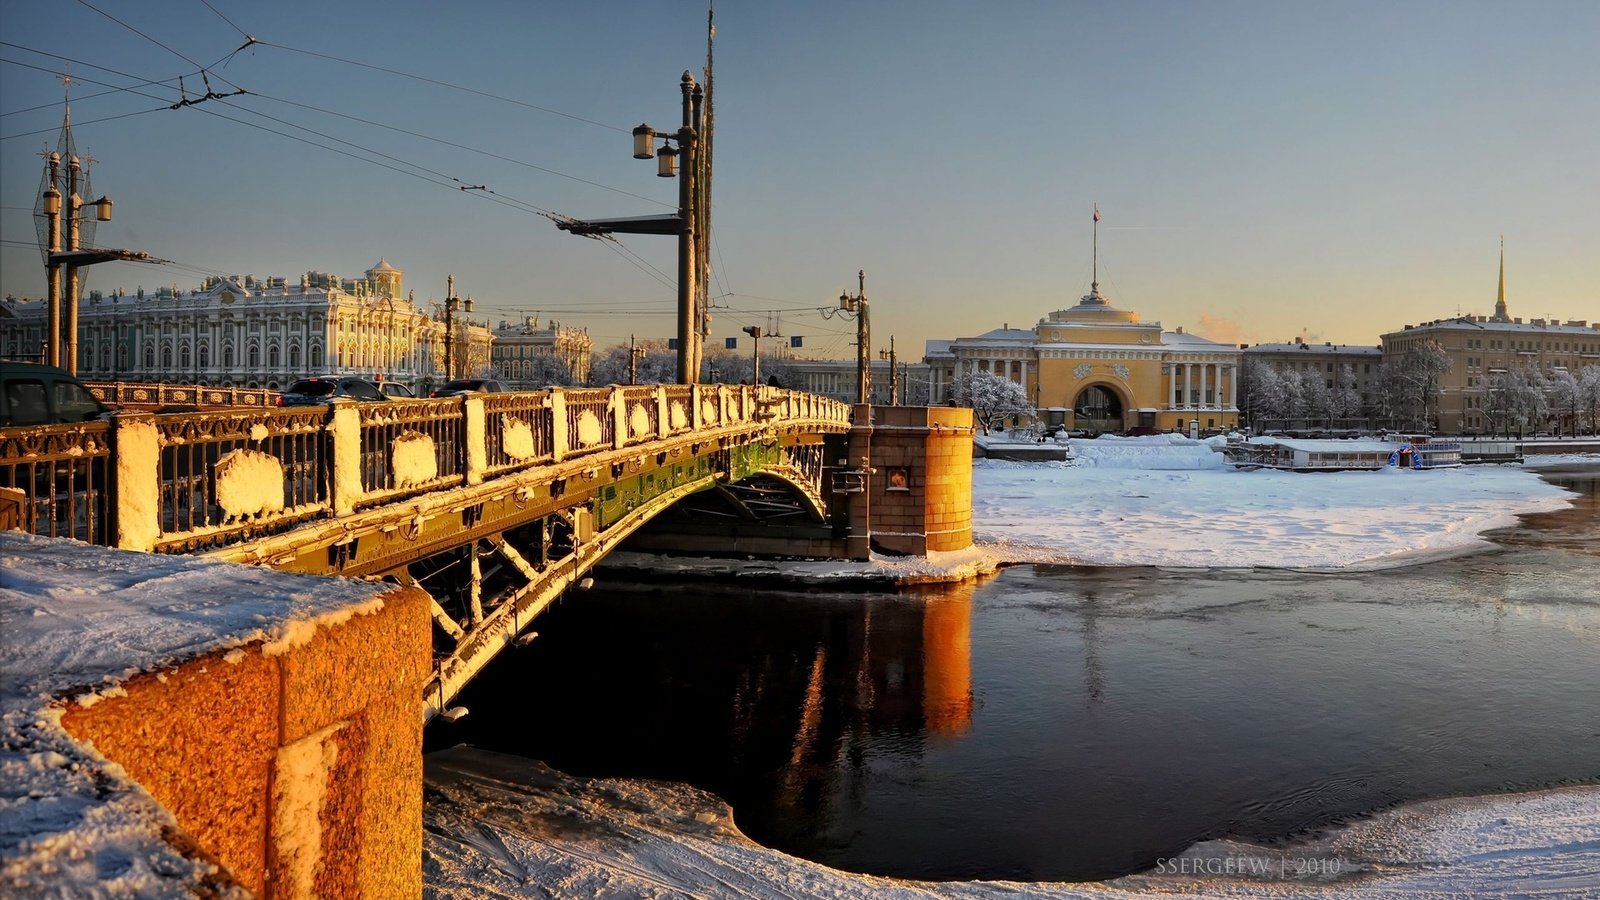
column 1071, row 723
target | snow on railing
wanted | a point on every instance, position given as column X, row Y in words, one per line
column 189, row 481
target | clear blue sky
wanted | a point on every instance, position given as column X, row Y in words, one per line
column 1265, row 169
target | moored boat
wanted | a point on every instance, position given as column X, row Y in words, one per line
column 1359, row 454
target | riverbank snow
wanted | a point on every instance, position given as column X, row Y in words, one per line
column 1165, row 500
column 503, row 826
column 76, row 621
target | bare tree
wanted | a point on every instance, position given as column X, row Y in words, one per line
column 1589, row 396
column 1565, row 395
column 992, row 397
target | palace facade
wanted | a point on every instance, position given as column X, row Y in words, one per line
column 244, row 331
column 527, row 357
column 1098, row 368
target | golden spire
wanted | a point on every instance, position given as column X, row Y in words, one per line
column 1500, row 301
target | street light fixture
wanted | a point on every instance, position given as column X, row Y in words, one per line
column 689, row 223
column 755, row 357
column 856, row 307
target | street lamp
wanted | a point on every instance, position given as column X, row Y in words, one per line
column 61, row 340
column 755, row 357
column 855, row 306
column 689, row 223
column 894, row 372
column 451, row 304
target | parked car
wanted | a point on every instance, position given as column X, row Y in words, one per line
column 394, row 390
column 35, row 394
column 314, row 390
column 459, row 386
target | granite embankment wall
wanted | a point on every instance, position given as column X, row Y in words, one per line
column 297, row 767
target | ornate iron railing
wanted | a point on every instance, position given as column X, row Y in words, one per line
column 63, row 476
column 134, row 395
column 215, row 477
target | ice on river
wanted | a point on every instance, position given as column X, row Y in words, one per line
column 1169, row 501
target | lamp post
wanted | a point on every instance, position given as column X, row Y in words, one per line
column 755, row 356
column 61, row 339
column 894, row 372
column 691, row 220
column 451, row 303
column 856, row 305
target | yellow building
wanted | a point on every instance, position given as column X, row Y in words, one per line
column 1098, row 368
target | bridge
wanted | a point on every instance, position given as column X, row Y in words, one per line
column 493, row 504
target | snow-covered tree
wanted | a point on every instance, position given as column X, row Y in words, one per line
column 992, row 397
column 1516, row 401
column 1411, row 384
column 1566, row 396
column 1589, row 396
column 657, row 365
column 1344, row 401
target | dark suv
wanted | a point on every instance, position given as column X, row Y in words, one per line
column 34, row 394
column 314, row 390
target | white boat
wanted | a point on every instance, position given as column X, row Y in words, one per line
column 1359, row 454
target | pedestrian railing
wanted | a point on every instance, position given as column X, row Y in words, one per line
column 187, row 481
column 131, row 395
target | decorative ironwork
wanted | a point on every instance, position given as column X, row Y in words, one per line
column 64, row 473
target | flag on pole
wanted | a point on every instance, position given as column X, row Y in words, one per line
column 1097, row 212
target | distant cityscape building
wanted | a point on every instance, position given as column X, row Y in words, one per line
column 1324, row 361
column 525, row 356
column 836, row 378
column 1480, row 347
column 244, row 331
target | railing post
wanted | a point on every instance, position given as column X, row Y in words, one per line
column 344, row 425
column 558, row 425
column 617, row 406
column 474, row 430
column 136, row 460
column 722, row 404
column 663, row 413
column 696, row 419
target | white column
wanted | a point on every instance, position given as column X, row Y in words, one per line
column 1205, row 368
column 1233, row 387
column 1188, row 385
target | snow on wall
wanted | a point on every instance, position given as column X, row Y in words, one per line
column 249, row 483
column 77, row 621
column 299, row 787
column 516, row 438
column 138, row 499
column 708, row 412
column 413, row 459
column 677, row 415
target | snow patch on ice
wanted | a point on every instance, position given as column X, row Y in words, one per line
column 503, row 826
column 1168, row 501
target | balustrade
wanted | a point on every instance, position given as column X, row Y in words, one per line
column 190, row 481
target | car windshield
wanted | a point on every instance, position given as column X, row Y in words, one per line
column 311, row 388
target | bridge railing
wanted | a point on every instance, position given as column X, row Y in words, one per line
column 134, row 394
column 186, row 481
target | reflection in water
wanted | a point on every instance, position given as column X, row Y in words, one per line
column 1070, row 723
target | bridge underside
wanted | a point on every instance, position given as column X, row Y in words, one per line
column 493, row 556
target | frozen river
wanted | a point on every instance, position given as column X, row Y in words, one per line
column 1077, row 723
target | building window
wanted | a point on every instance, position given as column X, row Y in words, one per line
column 205, row 356
column 166, row 357
column 254, row 357
column 227, row 356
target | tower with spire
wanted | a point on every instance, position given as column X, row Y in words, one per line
column 1500, row 313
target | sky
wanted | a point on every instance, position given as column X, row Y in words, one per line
column 1264, row 170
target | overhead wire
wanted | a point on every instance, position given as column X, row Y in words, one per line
column 152, row 40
